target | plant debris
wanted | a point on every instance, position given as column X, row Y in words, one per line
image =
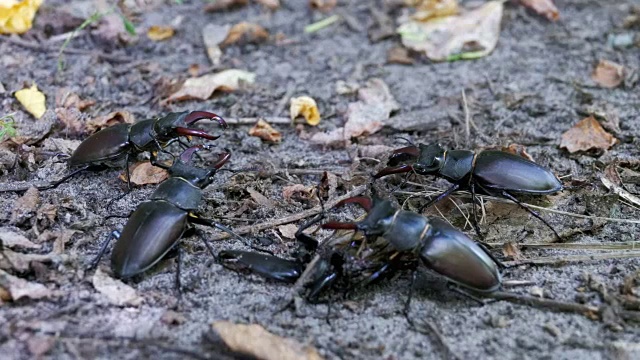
column 306, row 107
column 25, row 207
column 16, row 17
column 11, row 239
column 323, row 5
column 608, row 74
column 587, row 135
column 264, row 131
column 261, row 199
column 115, row 291
column 201, row 88
column 213, row 35
column 298, row 192
column 545, row 8
column 144, row 173
column 160, row 33
column 611, row 180
column 221, row 5
column 33, row 101
column 245, row 32
column 116, row 117
column 16, row 288
column 468, row 36
column 254, row 341
column 269, row 4
column 429, row 9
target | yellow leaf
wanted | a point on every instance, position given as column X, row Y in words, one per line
column 159, row 33
column 16, row 17
column 33, row 101
column 306, row 107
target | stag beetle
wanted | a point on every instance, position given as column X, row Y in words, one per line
column 490, row 172
column 108, row 147
column 442, row 248
column 157, row 225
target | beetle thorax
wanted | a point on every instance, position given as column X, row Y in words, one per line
column 405, row 230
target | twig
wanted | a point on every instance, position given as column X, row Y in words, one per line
column 251, row 120
column 291, row 218
column 630, row 245
column 552, row 260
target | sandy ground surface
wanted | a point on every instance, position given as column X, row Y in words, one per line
column 532, row 88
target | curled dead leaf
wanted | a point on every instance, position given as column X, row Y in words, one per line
column 221, row 5
column 202, row 87
column 115, row 291
column 254, row 341
column 306, row 107
column 298, row 192
column 10, row 239
column 144, row 173
column 25, row 207
column 323, row 5
column 245, row 32
column 261, row 199
column 116, row 117
column 18, row 288
column 429, row 9
column 159, row 33
column 366, row 116
column 264, row 131
column 587, row 135
column 608, row 74
column 288, row 231
column 517, row 149
column 545, row 8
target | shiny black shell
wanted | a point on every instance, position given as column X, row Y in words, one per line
column 405, row 229
column 141, row 135
column 179, row 192
column 498, row 170
column 152, row 230
column 450, row 253
column 106, row 146
column 269, row 266
column 457, row 165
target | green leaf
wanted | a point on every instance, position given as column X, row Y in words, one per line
column 128, row 25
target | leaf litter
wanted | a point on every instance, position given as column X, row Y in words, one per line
column 266, row 132
column 201, row 88
column 587, row 135
column 115, row 291
column 608, row 74
column 17, row 288
column 305, row 106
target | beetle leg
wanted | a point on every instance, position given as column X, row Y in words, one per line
column 335, row 225
column 94, row 263
column 407, row 304
column 440, row 197
column 393, row 170
column 532, row 212
column 455, row 288
column 67, row 177
column 206, row 243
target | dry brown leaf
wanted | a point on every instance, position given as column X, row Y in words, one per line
column 115, row 291
column 21, row 262
column 261, row 199
column 270, row 4
column 471, row 35
column 264, row 131
column 608, row 74
column 39, row 345
column 323, row 5
column 71, row 119
column 202, row 87
column 213, row 35
column 545, row 8
column 399, row 55
column 25, row 207
column 510, row 249
column 611, row 180
column 365, row 117
column 245, row 32
column 288, row 231
column 144, row 173
column 306, row 107
column 429, row 9
column 298, row 192
column 62, row 238
column 19, row 288
column 517, row 149
column 159, row 33
column 254, row 341
column 11, row 239
column 221, row 5
column 116, row 117
column 587, row 135
column 65, row 98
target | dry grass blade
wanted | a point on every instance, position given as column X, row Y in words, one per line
column 552, row 260
column 630, row 245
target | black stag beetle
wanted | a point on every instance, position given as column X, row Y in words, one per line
column 442, row 248
column 496, row 173
column 157, row 225
column 110, row 146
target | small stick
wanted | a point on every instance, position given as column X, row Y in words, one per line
column 629, row 245
column 551, row 260
column 291, row 218
column 251, row 120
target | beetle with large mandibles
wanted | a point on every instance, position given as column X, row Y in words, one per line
column 110, row 146
column 157, row 225
column 489, row 172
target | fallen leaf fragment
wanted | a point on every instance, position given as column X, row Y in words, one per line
column 116, row 117
column 545, row 8
column 264, row 131
column 261, row 199
column 306, row 107
column 611, row 180
column 213, row 35
column 399, row 55
column 25, row 207
column 254, row 341
column 21, row 262
column 220, row 5
column 18, row 288
column 270, row 4
column 323, row 5
column 144, row 173
column 33, row 101
column 65, row 98
column 288, row 231
column 517, row 149
column 468, row 36
column 11, row 239
column 39, row 345
column 608, row 74
column 365, row 117
column 298, row 192
column 510, row 249
column 115, row 291
column 587, row 135
column 245, row 32
column 202, row 87
column 429, row 9
column 159, row 33
column 16, row 17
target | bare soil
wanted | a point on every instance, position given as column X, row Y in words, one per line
column 532, row 88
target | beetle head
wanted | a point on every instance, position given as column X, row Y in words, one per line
column 379, row 217
column 431, row 159
column 183, row 167
column 175, row 124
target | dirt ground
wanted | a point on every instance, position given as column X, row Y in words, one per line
column 533, row 87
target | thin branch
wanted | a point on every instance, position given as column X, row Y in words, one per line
column 552, row 260
column 291, row 218
column 629, row 245
column 251, row 120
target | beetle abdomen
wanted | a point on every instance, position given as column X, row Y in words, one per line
column 504, row 171
column 178, row 192
column 106, row 145
column 453, row 255
column 266, row 265
column 152, row 230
